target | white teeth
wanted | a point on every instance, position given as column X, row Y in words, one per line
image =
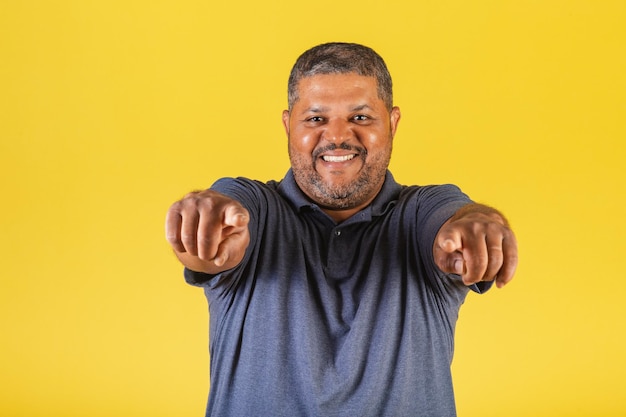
column 332, row 158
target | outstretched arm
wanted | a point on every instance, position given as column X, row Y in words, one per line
column 478, row 244
column 208, row 231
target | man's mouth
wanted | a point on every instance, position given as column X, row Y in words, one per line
column 338, row 158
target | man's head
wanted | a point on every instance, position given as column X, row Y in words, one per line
column 340, row 126
column 341, row 58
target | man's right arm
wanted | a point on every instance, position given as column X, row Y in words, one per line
column 208, row 231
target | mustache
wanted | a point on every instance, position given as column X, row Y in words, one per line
column 343, row 146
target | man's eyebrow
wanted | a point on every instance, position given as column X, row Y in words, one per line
column 321, row 109
column 361, row 107
column 315, row 109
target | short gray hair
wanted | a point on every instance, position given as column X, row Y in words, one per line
column 341, row 58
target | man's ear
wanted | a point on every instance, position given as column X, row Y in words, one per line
column 394, row 119
column 286, row 121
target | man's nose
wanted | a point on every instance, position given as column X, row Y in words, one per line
column 338, row 130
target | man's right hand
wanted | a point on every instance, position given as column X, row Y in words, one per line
column 208, row 231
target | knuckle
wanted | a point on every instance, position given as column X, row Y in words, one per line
column 479, row 259
column 208, row 205
column 189, row 203
column 495, row 227
column 191, row 195
column 496, row 251
column 175, row 208
column 512, row 260
column 188, row 239
column 477, row 227
column 205, row 241
column 172, row 238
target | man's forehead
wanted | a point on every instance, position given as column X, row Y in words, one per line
column 337, row 84
column 349, row 91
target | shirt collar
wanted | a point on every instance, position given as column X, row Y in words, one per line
column 385, row 199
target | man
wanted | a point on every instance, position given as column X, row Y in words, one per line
column 335, row 292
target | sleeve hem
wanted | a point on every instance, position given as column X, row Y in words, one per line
column 197, row 279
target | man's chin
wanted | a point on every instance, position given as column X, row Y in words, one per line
column 338, row 191
column 337, row 196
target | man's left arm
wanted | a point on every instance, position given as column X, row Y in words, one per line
column 477, row 244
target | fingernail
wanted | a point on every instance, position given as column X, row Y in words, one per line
column 458, row 266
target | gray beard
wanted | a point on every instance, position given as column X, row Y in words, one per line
column 344, row 196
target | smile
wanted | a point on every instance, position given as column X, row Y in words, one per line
column 338, row 158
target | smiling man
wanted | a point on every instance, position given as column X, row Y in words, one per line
column 335, row 291
column 340, row 136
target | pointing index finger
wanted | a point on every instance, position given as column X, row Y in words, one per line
column 449, row 241
column 235, row 216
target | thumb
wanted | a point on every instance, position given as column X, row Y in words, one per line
column 454, row 263
column 450, row 263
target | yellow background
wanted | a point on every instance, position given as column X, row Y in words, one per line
column 111, row 110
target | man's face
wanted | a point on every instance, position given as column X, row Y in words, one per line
column 340, row 140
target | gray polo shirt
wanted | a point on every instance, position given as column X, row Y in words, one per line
column 326, row 319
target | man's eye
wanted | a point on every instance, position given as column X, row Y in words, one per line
column 361, row 117
column 315, row 119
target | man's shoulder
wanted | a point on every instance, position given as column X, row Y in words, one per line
column 244, row 183
column 431, row 191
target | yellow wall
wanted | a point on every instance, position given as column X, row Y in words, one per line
column 110, row 110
